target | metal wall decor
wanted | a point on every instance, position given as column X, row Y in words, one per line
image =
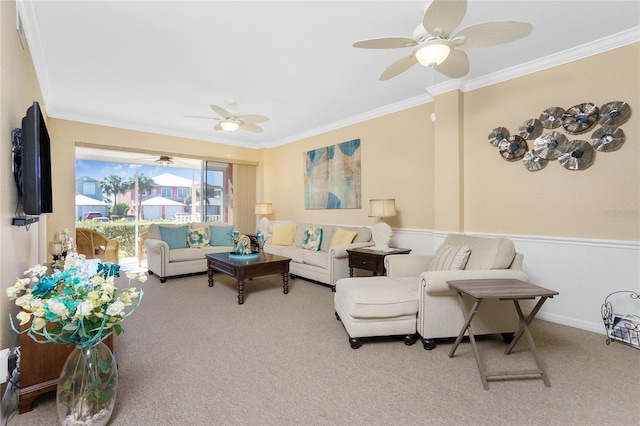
column 579, row 156
column 580, row 118
column 571, row 154
column 514, row 148
column 551, row 117
column 530, row 129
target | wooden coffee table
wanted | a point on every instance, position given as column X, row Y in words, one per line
column 241, row 269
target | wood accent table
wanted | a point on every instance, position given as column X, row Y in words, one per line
column 242, row 270
column 502, row 289
column 371, row 260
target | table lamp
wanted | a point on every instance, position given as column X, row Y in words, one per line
column 263, row 209
column 381, row 231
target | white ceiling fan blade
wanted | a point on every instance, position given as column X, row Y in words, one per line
column 223, row 112
column 200, row 116
column 385, row 43
column 456, row 65
column 252, row 127
column 491, row 34
column 399, row 66
column 253, row 118
column 443, row 16
column 217, row 127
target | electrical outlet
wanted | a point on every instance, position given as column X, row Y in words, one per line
column 4, row 365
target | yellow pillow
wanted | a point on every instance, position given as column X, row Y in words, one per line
column 341, row 237
column 283, row 234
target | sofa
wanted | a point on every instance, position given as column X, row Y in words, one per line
column 179, row 249
column 415, row 297
column 439, row 312
column 321, row 255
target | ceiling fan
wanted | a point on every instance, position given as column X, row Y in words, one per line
column 436, row 46
column 164, row 160
column 231, row 120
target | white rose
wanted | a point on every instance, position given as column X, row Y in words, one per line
column 58, row 308
column 23, row 317
column 12, row 292
column 116, row 308
column 84, row 309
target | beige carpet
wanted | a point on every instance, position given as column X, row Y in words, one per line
column 190, row 355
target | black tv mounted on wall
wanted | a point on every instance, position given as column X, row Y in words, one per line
column 32, row 165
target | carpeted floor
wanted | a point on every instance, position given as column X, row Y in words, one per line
column 190, row 355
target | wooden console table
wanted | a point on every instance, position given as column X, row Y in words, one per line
column 502, row 289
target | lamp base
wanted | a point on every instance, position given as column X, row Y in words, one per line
column 381, row 233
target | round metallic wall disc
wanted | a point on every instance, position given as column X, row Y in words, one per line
column 579, row 156
column 607, row 138
column 552, row 117
column 497, row 135
column 550, row 145
column 530, row 129
column 614, row 113
column 580, row 118
column 514, row 148
column 533, row 162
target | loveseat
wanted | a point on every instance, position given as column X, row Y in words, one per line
column 179, row 249
column 320, row 255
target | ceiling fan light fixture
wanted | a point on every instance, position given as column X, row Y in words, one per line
column 164, row 160
column 229, row 125
column 432, row 53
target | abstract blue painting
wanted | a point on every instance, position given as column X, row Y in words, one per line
column 332, row 177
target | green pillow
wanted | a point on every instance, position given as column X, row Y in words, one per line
column 221, row 236
column 174, row 236
column 198, row 238
column 312, row 238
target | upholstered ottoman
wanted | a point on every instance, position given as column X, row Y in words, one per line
column 376, row 306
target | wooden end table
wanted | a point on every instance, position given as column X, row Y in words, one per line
column 371, row 260
column 241, row 270
column 502, row 289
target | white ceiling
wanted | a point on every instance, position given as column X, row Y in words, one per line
column 145, row 65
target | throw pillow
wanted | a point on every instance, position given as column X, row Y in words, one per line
column 198, row 238
column 221, row 235
column 283, row 235
column 342, row 236
column 450, row 258
column 312, row 238
column 174, row 236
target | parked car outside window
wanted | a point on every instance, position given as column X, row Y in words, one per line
column 101, row 219
column 91, row 215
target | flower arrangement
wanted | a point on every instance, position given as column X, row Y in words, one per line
column 72, row 306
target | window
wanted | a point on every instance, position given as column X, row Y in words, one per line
column 166, row 192
column 183, row 192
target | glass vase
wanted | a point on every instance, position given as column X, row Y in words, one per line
column 86, row 392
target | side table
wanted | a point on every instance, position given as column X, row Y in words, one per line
column 371, row 260
column 502, row 289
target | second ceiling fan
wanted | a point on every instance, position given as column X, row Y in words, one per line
column 436, row 47
column 231, row 120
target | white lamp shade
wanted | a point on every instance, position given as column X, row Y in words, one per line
column 382, row 208
column 433, row 53
column 229, row 125
column 264, row 208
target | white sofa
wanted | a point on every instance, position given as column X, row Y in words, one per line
column 411, row 298
column 326, row 265
column 439, row 313
column 168, row 263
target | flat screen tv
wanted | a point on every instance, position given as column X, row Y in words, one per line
column 32, row 167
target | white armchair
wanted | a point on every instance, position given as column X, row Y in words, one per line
column 439, row 312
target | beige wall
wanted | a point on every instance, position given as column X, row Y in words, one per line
column 459, row 182
column 397, row 162
column 600, row 202
column 18, row 89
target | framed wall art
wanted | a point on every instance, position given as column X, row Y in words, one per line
column 332, row 177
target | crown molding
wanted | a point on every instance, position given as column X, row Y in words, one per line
column 586, row 50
